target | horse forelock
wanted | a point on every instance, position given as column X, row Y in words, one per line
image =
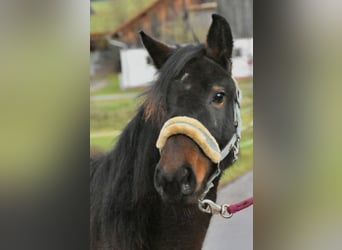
column 155, row 106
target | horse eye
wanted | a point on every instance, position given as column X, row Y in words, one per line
column 218, row 97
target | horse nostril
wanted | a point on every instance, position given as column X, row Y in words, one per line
column 188, row 181
column 186, row 189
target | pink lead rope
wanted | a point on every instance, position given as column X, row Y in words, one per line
column 239, row 206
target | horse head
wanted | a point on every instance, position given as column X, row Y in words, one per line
column 193, row 103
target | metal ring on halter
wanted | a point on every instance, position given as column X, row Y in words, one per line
column 224, row 211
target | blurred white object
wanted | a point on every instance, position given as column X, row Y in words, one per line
column 138, row 70
column 242, row 58
column 136, row 67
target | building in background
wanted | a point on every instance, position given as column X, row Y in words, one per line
column 172, row 21
column 239, row 14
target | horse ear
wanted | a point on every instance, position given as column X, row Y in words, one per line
column 158, row 51
column 220, row 40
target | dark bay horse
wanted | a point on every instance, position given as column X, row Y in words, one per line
column 145, row 199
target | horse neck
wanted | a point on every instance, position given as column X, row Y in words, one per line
column 181, row 226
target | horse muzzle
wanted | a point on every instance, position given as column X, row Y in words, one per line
column 187, row 152
column 181, row 170
column 177, row 185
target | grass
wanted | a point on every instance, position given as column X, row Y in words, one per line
column 105, row 142
column 112, row 86
column 245, row 161
column 109, row 117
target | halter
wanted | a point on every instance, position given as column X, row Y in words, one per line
column 200, row 134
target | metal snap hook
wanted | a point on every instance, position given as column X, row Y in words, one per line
column 210, row 207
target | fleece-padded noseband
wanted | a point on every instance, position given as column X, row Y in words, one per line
column 195, row 130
